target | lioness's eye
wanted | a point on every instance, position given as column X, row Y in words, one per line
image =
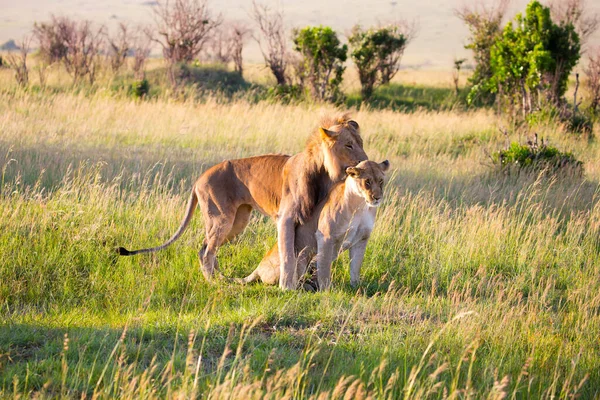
column 349, row 145
column 381, row 182
column 368, row 183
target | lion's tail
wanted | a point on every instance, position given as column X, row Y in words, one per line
column 192, row 203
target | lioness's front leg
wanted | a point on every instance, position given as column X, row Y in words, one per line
column 357, row 255
column 325, row 254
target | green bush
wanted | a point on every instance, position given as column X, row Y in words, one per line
column 323, row 58
column 532, row 157
column 376, row 54
column 532, row 59
column 139, row 89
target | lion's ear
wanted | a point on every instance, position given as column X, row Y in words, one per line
column 327, row 135
column 385, row 165
column 353, row 124
column 353, row 172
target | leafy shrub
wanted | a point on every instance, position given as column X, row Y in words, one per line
column 323, row 58
column 139, row 89
column 532, row 157
column 376, row 54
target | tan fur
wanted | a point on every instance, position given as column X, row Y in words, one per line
column 343, row 221
column 228, row 192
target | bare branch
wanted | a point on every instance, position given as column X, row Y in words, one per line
column 239, row 34
column 141, row 50
column 183, row 27
column 575, row 12
column 119, row 46
column 75, row 44
column 18, row 62
column 271, row 39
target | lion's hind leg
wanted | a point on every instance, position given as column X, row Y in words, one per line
column 218, row 222
column 242, row 217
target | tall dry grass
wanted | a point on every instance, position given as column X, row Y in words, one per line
column 474, row 284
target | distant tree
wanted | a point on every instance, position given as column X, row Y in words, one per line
column 18, row 62
column 182, row 29
column 376, row 54
column 485, row 26
column 219, row 45
column 140, row 51
column 272, row 40
column 52, row 37
column 323, row 60
column 239, row 34
column 74, row 43
column 119, row 46
column 529, row 51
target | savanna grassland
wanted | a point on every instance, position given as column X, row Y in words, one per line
column 475, row 284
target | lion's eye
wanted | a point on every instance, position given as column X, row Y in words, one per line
column 381, row 182
column 368, row 183
column 349, row 146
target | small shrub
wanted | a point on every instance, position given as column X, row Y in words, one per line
column 139, row 89
column 581, row 124
column 532, row 157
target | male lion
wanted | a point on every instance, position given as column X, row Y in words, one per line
column 229, row 191
column 342, row 221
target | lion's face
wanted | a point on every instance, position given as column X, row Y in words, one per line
column 342, row 148
column 368, row 177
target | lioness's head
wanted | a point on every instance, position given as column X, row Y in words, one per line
column 342, row 146
column 368, row 177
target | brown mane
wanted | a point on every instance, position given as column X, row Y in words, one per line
column 313, row 180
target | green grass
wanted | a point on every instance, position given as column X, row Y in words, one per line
column 474, row 284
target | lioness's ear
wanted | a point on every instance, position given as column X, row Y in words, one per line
column 353, row 172
column 353, row 124
column 385, row 165
column 327, row 135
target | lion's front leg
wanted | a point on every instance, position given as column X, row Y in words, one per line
column 286, row 234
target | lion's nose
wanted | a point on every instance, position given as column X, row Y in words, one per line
column 377, row 198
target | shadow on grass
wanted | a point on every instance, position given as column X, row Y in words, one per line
column 97, row 357
column 411, row 98
column 210, row 79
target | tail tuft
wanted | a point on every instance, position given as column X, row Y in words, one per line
column 122, row 251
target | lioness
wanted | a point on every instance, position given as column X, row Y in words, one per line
column 344, row 220
column 229, row 191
